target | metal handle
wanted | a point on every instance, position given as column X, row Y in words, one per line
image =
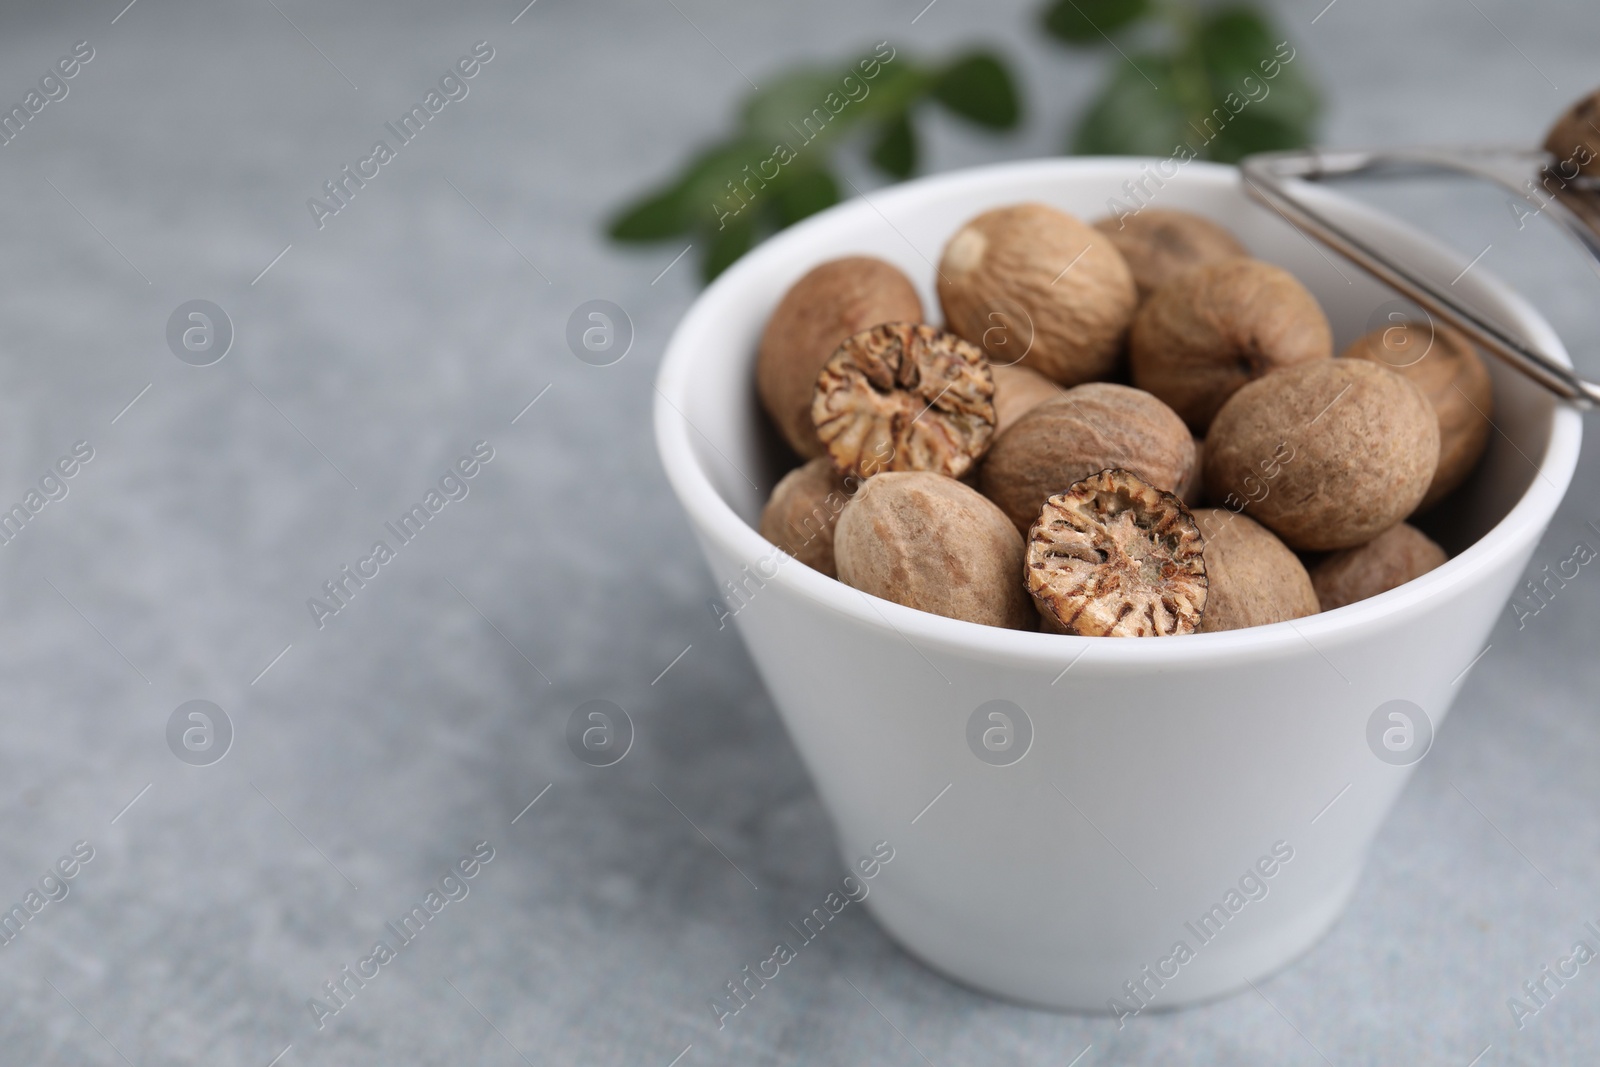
column 1271, row 178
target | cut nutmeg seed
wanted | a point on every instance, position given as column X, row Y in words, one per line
column 1443, row 364
column 1116, row 557
column 1035, row 285
column 832, row 301
column 1159, row 245
column 933, row 543
column 1388, row 561
column 904, row 397
column 1213, row 329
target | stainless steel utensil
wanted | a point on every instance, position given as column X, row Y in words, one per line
column 1278, row 180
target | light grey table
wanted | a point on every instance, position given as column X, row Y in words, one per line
column 425, row 716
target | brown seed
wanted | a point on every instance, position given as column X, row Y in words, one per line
column 1389, row 560
column 1085, row 430
column 1116, row 557
column 833, row 301
column 804, row 508
column 904, row 397
column 1193, row 490
column 1327, row 454
column 1252, row 578
column 1030, row 279
column 1210, row 330
column 1018, row 390
column 1574, row 140
column 1450, row 373
column 1160, row 245
column 932, row 543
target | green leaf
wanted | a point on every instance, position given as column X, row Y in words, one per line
column 895, row 153
column 1088, row 21
column 979, row 88
column 1130, row 117
column 655, row 217
column 1243, row 55
column 803, row 193
column 778, row 112
column 727, row 245
column 898, row 85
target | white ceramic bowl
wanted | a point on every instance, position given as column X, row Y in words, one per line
column 1161, row 772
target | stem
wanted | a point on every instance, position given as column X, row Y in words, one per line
column 1190, row 84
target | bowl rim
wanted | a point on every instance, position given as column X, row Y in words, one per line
column 713, row 518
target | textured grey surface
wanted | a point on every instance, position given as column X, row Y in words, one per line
column 377, row 750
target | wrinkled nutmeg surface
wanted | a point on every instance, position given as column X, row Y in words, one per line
column 1387, row 562
column 1114, row 556
column 1081, row 432
column 1327, row 454
column 1211, row 330
column 1159, row 245
column 904, row 397
column 1017, row 391
column 804, row 508
column 1252, row 578
column 831, row 302
column 1029, row 278
column 1450, row 373
column 932, row 543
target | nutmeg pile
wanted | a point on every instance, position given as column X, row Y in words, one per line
column 1130, row 428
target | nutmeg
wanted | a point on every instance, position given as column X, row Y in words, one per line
column 828, row 304
column 1017, row 391
column 803, row 510
column 1450, row 373
column 1387, row 562
column 1081, row 432
column 1160, row 244
column 1327, row 454
column 1114, row 556
column 1212, row 329
column 1029, row 278
column 932, row 543
column 1253, row 578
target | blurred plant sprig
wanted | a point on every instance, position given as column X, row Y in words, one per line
column 1188, row 78
column 1213, row 79
column 777, row 167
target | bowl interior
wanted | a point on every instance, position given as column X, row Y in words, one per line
column 708, row 381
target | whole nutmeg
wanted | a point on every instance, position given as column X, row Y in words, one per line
column 1252, row 577
column 1193, row 491
column 1017, row 391
column 831, row 302
column 1114, row 556
column 1389, row 560
column 803, row 510
column 1159, row 245
column 1081, row 432
column 1451, row 374
column 904, row 397
column 1574, row 140
column 1214, row 328
column 1031, row 279
column 932, row 543
column 1327, row 454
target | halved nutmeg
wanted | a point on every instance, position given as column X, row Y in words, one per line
column 904, row 397
column 1114, row 556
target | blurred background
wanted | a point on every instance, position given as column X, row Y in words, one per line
column 347, row 360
